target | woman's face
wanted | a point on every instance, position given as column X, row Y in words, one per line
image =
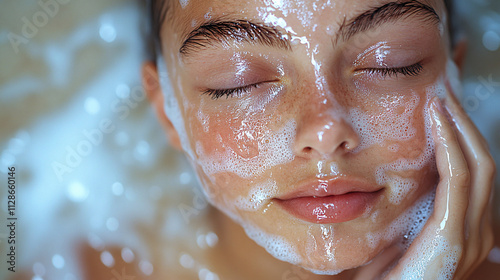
column 306, row 121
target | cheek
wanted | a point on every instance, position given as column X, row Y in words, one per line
column 388, row 124
column 235, row 155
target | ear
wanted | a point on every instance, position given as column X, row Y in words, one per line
column 459, row 52
column 151, row 83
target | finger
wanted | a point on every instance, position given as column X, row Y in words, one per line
column 454, row 178
column 479, row 160
column 445, row 229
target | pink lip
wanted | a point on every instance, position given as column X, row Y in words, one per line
column 330, row 201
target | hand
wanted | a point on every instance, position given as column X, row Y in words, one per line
column 459, row 235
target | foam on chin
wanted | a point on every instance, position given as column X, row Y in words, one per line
column 277, row 246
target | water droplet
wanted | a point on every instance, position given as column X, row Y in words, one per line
column 141, row 149
column 127, row 255
column 205, row 274
column 107, row 259
column 112, row 224
column 95, row 242
column 77, row 192
column 146, row 267
column 107, row 32
column 117, row 188
column 494, row 255
column 92, row 106
column 211, row 239
column 200, row 240
column 121, row 138
column 491, row 40
column 58, row 261
column 8, row 158
column 186, row 261
column 185, row 178
column 39, row 269
column 122, row 91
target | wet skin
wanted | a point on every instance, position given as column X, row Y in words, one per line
column 327, row 96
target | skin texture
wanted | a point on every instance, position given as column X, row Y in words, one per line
column 326, row 105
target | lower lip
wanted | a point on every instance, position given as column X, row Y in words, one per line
column 330, row 209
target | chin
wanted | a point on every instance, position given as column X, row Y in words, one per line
column 322, row 263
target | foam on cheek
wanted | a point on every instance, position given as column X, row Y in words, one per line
column 431, row 248
column 274, row 245
column 257, row 196
column 172, row 108
column 274, row 148
column 388, row 126
column 408, row 225
column 402, row 187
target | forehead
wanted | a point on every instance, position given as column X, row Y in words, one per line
column 297, row 16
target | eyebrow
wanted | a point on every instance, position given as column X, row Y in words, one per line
column 391, row 11
column 226, row 32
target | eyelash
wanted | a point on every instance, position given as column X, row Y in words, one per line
column 410, row 71
column 230, row 92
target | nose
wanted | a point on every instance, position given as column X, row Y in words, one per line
column 323, row 132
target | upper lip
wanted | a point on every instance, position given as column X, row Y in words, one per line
column 328, row 187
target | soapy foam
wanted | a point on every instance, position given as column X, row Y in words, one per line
column 274, row 245
column 380, row 128
column 430, row 249
column 274, row 149
column 172, row 109
column 402, row 187
column 257, row 196
column 408, row 225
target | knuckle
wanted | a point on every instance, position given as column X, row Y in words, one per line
column 461, row 178
column 487, row 166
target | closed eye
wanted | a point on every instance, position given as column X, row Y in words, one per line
column 233, row 92
column 410, row 71
column 230, row 92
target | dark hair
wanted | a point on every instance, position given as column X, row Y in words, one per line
column 158, row 14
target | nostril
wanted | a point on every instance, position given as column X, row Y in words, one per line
column 345, row 145
column 307, row 150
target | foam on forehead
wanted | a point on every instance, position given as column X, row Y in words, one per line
column 171, row 106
